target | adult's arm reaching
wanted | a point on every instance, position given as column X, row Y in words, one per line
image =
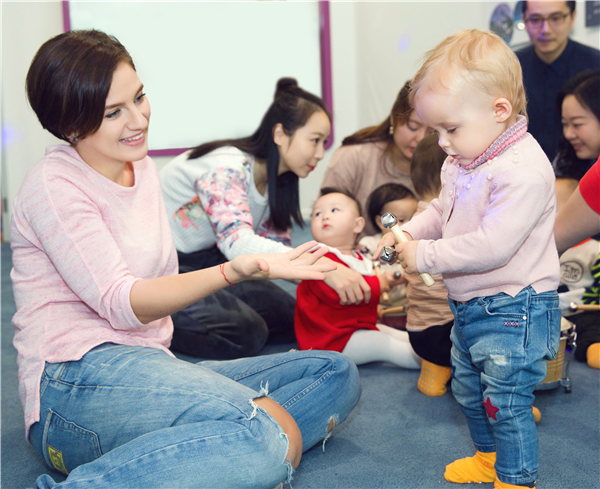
column 575, row 222
column 159, row 297
column 580, row 217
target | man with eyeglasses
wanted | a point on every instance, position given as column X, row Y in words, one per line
column 548, row 63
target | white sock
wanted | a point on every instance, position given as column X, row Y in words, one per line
column 393, row 332
column 367, row 345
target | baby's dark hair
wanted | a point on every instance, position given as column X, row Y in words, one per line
column 426, row 164
column 335, row 190
column 383, row 194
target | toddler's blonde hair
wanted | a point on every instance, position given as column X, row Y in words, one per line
column 475, row 59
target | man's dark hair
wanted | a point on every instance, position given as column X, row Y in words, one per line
column 571, row 6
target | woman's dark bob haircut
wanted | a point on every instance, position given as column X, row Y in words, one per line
column 69, row 79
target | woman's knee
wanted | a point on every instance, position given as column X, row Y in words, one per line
column 289, row 426
column 346, row 375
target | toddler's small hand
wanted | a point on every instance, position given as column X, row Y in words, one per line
column 386, row 240
column 384, row 282
column 407, row 256
column 395, row 278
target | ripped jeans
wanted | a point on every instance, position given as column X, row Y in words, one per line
column 134, row 417
column 500, row 345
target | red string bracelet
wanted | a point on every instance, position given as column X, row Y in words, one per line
column 221, row 267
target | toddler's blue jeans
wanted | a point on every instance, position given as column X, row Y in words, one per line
column 499, row 353
column 134, row 417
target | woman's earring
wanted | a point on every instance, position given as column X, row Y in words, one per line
column 391, row 130
column 73, row 139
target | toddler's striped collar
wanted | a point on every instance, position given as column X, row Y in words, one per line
column 513, row 134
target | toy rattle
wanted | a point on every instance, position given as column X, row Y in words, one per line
column 389, row 221
column 388, row 255
column 377, row 268
column 583, row 307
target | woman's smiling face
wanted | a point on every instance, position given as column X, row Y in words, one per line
column 581, row 128
column 300, row 152
column 123, row 134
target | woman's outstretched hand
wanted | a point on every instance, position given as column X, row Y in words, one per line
column 350, row 286
column 296, row 264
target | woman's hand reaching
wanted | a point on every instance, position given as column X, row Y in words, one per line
column 296, row 264
column 158, row 297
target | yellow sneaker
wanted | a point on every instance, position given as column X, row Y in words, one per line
column 479, row 468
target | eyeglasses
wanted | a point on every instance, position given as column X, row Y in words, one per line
column 554, row 20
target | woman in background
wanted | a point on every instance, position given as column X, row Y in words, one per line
column 579, row 148
column 377, row 155
column 95, row 279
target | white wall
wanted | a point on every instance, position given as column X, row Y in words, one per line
column 375, row 49
column 25, row 27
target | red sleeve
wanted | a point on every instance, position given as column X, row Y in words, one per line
column 589, row 186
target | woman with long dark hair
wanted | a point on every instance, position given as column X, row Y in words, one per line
column 235, row 196
column 95, row 280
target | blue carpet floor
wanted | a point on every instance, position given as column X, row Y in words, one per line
column 395, row 438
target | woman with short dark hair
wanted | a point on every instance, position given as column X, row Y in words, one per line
column 95, row 280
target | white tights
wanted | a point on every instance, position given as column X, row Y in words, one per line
column 386, row 345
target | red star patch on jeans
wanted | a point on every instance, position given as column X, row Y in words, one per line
column 490, row 409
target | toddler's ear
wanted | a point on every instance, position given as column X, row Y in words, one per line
column 502, row 110
column 359, row 225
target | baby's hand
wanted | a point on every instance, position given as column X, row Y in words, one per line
column 407, row 255
column 395, row 278
column 386, row 240
column 384, row 282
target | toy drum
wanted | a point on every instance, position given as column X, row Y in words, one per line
column 558, row 368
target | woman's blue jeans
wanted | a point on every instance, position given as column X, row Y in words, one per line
column 134, row 417
column 499, row 353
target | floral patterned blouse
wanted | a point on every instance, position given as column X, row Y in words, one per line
column 212, row 200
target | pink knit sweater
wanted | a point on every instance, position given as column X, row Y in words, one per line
column 496, row 223
column 79, row 243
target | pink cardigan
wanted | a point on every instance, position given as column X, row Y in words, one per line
column 496, row 223
column 79, row 243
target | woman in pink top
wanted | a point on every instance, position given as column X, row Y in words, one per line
column 95, row 280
